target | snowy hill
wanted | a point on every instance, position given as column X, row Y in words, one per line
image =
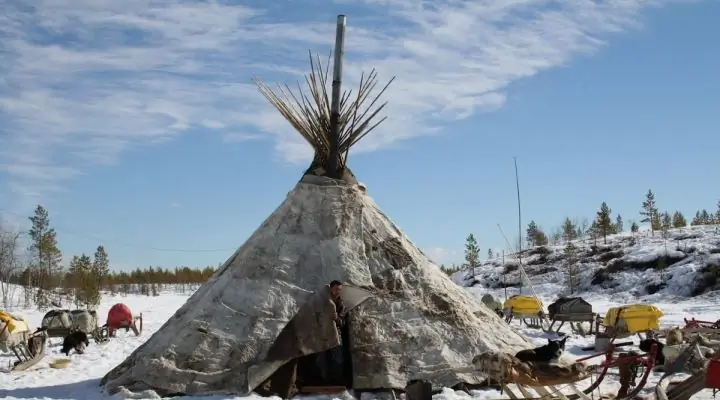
column 684, row 264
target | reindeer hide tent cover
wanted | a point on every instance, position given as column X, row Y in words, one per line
column 258, row 311
column 416, row 325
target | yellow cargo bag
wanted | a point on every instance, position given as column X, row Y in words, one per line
column 524, row 305
column 7, row 319
column 633, row 318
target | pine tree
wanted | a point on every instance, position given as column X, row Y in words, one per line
column 604, row 221
column 618, row 224
column 650, row 212
column 531, row 233
column 634, row 228
column 704, row 217
column 490, row 254
column 717, row 213
column 678, row 220
column 46, row 257
column 472, row 253
column 666, row 224
column 540, row 238
column 594, row 232
column 569, row 230
column 696, row 220
column 85, row 284
column 572, row 272
column 101, row 266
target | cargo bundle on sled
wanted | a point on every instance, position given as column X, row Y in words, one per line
column 529, row 309
column 17, row 338
column 60, row 323
column 573, row 310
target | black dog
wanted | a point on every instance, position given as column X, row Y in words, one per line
column 77, row 340
column 550, row 352
column 646, row 346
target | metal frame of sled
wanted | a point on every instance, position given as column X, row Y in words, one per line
column 103, row 333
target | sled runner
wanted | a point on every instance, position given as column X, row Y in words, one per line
column 573, row 310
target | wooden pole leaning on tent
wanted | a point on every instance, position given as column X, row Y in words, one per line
column 333, row 162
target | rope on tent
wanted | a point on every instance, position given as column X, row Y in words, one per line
column 522, row 268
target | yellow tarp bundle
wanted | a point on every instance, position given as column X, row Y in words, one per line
column 524, row 305
column 637, row 317
column 6, row 318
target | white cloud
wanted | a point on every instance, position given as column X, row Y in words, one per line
column 84, row 79
column 440, row 255
column 175, row 204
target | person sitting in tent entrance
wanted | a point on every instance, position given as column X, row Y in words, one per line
column 330, row 363
column 336, row 298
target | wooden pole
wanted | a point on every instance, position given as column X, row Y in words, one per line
column 333, row 162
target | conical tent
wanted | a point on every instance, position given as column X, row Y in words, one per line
column 265, row 308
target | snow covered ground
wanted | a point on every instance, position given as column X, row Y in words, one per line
column 80, row 380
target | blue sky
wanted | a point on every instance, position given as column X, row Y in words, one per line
column 136, row 124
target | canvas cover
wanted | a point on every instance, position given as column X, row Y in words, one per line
column 415, row 325
column 13, row 331
column 83, row 320
column 570, row 305
column 634, row 318
column 57, row 319
column 523, row 305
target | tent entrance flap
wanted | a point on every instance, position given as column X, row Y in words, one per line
column 312, row 329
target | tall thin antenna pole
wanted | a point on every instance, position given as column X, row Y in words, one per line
column 504, row 274
column 520, row 238
column 335, row 102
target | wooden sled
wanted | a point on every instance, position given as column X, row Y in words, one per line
column 575, row 311
column 103, row 334
column 29, row 353
column 575, row 321
column 507, row 370
column 705, row 374
column 531, row 320
column 17, row 338
column 693, row 325
column 546, row 381
column 528, row 309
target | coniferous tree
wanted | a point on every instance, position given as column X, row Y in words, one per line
column 101, row 266
column 46, row 257
column 531, row 233
column 634, row 228
column 472, row 253
column 678, row 220
column 696, row 220
column 490, row 254
column 569, row 231
column 704, row 217
column 666, row 224
column 650, row 212
column 618, row 224
column 594, row 232
column 604, row 221
column 572, row 271
column 540, row 238
column 717, row 213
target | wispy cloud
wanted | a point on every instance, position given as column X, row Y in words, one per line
column 441, row 255
column 82, row 80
